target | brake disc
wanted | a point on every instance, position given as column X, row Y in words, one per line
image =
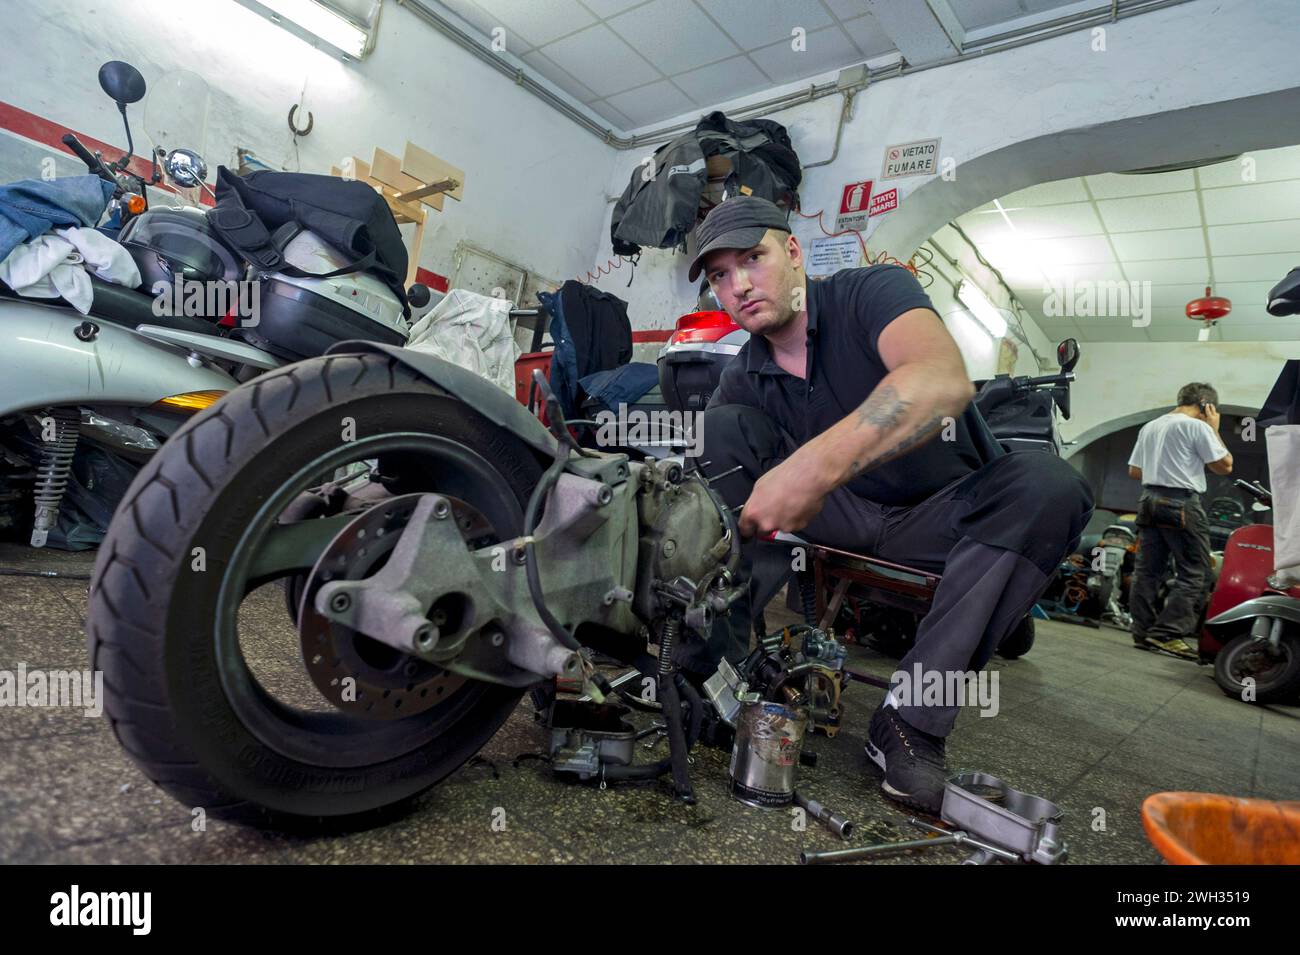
column 357, row 673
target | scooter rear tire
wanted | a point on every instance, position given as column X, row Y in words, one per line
column 153, row 623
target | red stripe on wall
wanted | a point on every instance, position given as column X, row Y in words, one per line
column 41, row 130
column 652, row 335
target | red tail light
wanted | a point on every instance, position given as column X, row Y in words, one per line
column 703, row 327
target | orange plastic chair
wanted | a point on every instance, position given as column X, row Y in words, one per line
column 1209, row 829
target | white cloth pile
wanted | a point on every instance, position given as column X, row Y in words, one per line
column 59, row 264
column 472, row 331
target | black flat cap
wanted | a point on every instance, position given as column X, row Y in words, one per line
column 738, row 223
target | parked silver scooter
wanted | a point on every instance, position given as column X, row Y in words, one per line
column 123, row 376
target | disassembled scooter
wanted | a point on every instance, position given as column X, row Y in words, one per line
column 799, row 668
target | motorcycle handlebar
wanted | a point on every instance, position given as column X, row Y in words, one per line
column 1061, row 379
column 93, row 162
column 1256, row 490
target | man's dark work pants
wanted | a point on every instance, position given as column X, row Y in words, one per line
column 1171, row 523
column 985, row 589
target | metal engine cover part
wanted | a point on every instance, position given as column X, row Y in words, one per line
column 685, row 541
column 603, row 558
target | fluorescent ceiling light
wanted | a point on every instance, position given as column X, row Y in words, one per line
column 977, row 304
column 316, row 20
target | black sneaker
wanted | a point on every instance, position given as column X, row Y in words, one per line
column 911, row 759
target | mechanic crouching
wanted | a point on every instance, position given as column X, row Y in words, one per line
column 845, row 419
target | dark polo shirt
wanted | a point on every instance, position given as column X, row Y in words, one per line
column 846, row 314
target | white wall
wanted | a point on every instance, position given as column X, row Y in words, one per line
column 535, row 180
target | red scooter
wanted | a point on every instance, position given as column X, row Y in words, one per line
column 1252, row 629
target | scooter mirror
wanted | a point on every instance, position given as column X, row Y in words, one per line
column 1067, row 354
column 122, row 82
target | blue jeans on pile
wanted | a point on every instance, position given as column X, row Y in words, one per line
column 32, row 207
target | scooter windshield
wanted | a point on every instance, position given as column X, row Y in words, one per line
column 176, row 117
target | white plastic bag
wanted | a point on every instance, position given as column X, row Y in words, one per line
column 1283, row 444
column 472, row 331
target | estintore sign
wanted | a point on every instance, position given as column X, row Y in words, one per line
column 854, row 201
column 920, row 158
column 856, row 196
column 883, row 202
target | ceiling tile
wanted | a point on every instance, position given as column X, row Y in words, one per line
column 1244, row 291
column 1048, row 194
column 1087, row 272
column 673, row 35
column 756, row 23
column 537, row 23
column 825, row 50
column 1164, row 244
column 647, row 104
column 1168, row 315
column 869, row 35
column 608, row 8
column 561, row 78
column 1054, row 252
column 1176, row 297
column 1254, row 268
column 1176, row 210
column 1112, row 185
column 601, row 60
column 1279, row 332
column 1268, row 165
column 1021, row 272
column 1256, row 238
column 847, row 9
column 974, row 14
column 1257, row 202
column 1055, row 222
column 613, row 115
column 720, row 82
column 1168, row 271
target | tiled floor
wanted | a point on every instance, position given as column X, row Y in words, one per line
column 1084, row 720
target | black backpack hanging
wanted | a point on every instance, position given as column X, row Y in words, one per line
column 660, row 210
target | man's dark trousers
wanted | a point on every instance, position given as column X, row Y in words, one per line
column 1171, row 523
column 985, row 589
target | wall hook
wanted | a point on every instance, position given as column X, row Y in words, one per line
column 293, row 127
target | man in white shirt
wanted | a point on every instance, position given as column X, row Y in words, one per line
column 1170, row 458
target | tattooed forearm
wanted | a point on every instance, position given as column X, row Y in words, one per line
column 883, row 408
column 918, row 436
